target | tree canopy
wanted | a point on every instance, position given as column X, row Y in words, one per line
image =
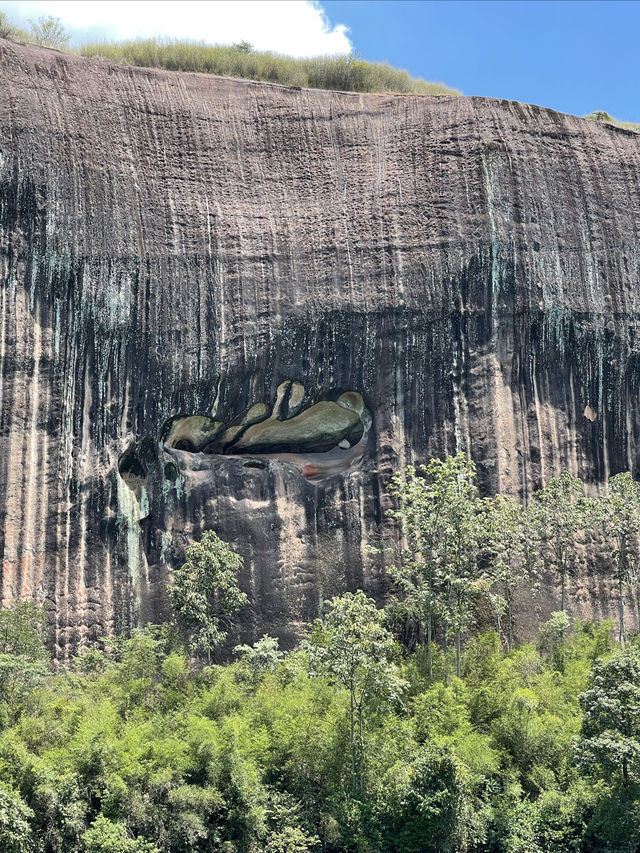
column 205, row 594
column 355, row 740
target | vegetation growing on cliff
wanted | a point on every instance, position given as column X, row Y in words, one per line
column 205, row 595
column 604, row 118
column 353, row 741
column 45, row 31
column 345, row 73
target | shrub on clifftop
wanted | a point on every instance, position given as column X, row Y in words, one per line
column 346, row 73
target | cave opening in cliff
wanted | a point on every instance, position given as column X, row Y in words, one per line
column 129, row 464
column 132, row 469
column 324, row 438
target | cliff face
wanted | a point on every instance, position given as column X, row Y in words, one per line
column 238, row 306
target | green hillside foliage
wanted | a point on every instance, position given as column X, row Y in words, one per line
column 345, row 73
column 130, row 748
column 604, row 118
column 403, row 729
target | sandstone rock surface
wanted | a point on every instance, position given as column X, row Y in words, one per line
column 460, row 272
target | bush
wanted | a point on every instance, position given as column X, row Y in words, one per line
column 104, row 836
column 48, row 32
column 15, row 829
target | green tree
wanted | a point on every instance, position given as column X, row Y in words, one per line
column 263, row 656
column 559, row 513
column 292, row 839
column 418, row 571
column 443, row 522
column 614, row 826
column 351, row 646
column 463, row 541
column 48, row 31
column 22, row 631
column 552, row 639
column 616, row 514
column 205, row 594
column 561, row 818
column 512, row 555
column 24, row 660
column 105, row 836
column 16, row 834
column 424, row 804
column 609, row 742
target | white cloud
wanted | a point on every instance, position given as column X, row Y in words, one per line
column 293, row 27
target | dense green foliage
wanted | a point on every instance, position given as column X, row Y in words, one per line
column 463, row 554
column 205, row 595
column 351, row 647
column 128, row 749
column 610, row 744
column 354, row 741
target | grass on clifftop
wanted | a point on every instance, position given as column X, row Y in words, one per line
column 345, row 73
column 604, row 118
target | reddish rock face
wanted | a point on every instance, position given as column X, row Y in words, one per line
column 421, row 274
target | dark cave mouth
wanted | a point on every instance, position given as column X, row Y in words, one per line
column 325, row 438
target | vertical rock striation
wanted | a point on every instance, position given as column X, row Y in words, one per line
column 235, row 305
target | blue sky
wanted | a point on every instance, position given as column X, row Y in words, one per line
column 572, row 56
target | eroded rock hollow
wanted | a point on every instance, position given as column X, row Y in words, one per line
column 238, row 306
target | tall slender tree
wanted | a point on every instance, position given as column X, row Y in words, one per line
column 351, row 646
column 559, row 511
column 616, row 514
column 439, row 572
column 464, row 578
column 418, row 570
column 512, row 557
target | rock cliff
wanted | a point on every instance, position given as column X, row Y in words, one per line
column 240, row 306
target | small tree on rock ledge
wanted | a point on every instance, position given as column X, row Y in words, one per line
column 48, row 31
column 205, row 595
